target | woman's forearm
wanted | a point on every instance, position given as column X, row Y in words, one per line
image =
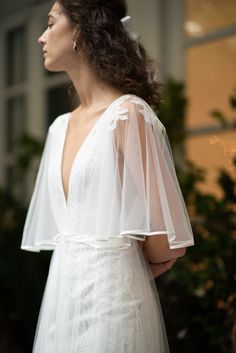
column 156, row 249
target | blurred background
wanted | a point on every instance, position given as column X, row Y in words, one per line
column 194, row 45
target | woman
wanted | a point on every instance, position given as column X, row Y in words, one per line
column 106, row 198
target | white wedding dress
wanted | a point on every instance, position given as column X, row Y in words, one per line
column 100, row 296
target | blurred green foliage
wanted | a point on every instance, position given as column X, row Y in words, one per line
column 22, row 274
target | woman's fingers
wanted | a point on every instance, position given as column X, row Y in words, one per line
column 159, row 269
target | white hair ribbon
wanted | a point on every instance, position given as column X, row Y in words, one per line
column 126, row 21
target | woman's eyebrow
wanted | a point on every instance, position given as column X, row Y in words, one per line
column 54, row 14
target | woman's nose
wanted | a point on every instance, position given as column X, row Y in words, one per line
column 41, row 39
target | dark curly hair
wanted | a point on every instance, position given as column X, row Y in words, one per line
column 111, row 53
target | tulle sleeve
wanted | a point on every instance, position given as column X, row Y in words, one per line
column 151, row 202
column 40, row 224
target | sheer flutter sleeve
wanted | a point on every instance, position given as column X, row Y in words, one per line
column 151, row 202
column 40, row 224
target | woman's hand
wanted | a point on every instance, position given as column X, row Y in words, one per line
column 159, row 269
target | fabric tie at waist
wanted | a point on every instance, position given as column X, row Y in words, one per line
column 111, row 243
column 69, row 237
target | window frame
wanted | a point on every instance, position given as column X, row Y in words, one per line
column 34, row 18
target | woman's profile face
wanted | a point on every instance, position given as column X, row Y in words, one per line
column 57, row 40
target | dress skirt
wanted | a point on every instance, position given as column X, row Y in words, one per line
column 99, row 300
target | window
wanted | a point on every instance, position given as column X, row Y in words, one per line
column 203, row 16
column 16, row 56
column 210, row 73
column 15, row 97
column 15, row 125
column 15, row 120
column 210, row 56
column 57, row 102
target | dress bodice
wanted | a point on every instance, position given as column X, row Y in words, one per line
column 69, row 212
column 122, row 184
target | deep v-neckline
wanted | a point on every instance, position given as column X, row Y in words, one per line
column 82, row 145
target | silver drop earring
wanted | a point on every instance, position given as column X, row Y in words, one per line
column 75, row 46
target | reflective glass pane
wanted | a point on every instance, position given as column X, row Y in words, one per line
column 210, row 80
column 16, row 56
column 57, row 102
column 202, row 16
column 15, row 126
column 213, row 152
column 15, row 120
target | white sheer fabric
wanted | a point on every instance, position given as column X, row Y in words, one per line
column 122, row 184
column 100, row 295
column 99, row 301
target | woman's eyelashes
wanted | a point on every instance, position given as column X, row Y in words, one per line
column 49, row 25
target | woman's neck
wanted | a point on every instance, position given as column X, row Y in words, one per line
column 91, row 90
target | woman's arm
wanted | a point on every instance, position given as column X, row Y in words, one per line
column 158, row 269
column 156, row 249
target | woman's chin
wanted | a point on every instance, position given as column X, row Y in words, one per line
column 50, row 67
